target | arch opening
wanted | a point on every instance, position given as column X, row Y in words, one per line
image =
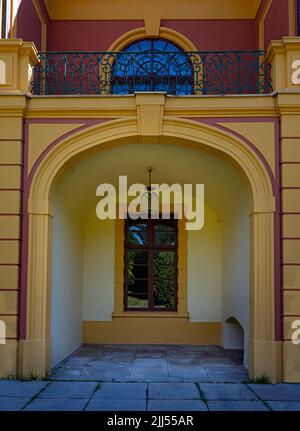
column 234, row 338
column 84, row 248
column 192, row 138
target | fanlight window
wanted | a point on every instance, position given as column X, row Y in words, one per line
column 152, row 65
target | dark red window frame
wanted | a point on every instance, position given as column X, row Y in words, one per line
column 150, row 247
column 3, row 19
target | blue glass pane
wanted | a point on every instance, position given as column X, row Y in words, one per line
column 152, row 65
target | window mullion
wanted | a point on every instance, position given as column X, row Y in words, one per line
column 150, row 280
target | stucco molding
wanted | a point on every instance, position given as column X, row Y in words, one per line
column 142, row 33
column 43, row 22
column 183, row 132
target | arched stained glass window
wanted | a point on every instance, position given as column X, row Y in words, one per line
column 152, row 65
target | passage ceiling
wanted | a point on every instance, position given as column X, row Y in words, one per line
column 139, row 9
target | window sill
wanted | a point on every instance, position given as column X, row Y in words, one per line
column 152, row 314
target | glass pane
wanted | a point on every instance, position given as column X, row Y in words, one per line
column 163, row 273
column 163, row 259
column 140, row 65
column 164, row 279
column 135, row 302
column 165, row 233
column 137, row 286
column 140, row 271
column 164, row 238
column 138, row 234
column 137, row 278
column 164, row 294
column 137, row 257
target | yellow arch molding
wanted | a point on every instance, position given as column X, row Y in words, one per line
column 265, row 353
column 186, row 130
column 164, row 32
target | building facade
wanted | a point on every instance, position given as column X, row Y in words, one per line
column 200, row 91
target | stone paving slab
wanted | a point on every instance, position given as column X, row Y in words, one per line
column 67, row 390
column 193, row 372
column 226, row 391
column 94, row 374
column 173, row 391
column 217, row 369
column 236, row 406
column 225, row 376
column 63, row 404
column 12, row 404
column 279, row 392
column 149, row 371
column 153, row 378
column 209, row 379
column 152, row 362
column 121, row 391
column 284, row 406
column 153, row 353
column 176, row 405
column 116, row 405
column 21, row 389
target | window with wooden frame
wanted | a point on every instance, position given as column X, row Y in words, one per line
column 150, row 277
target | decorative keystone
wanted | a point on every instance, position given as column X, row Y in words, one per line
column 150, row 111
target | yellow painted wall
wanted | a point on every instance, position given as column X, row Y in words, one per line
column 10, row 199
column 205, row 270
column 98, row 268
column 290, row 152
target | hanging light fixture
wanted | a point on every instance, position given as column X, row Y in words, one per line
column 151, row 196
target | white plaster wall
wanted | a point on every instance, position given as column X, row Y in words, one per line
column 66, row 310
column 235, row 264
column 98, row 273
column 205, row 271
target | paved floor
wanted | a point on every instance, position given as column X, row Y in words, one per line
column 171, row 363
column 152, row 378
column 142, row 396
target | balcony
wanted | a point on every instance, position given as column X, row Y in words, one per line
column 177, row 73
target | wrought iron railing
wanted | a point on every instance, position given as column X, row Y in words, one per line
column 178, row 73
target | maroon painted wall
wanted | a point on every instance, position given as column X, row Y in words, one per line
column 98, row 35
column 87, row 35
column 29, row 27
column 277, row 21
column 216, row 35
column 207, row 35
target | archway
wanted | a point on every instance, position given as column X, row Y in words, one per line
column 263, row 348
